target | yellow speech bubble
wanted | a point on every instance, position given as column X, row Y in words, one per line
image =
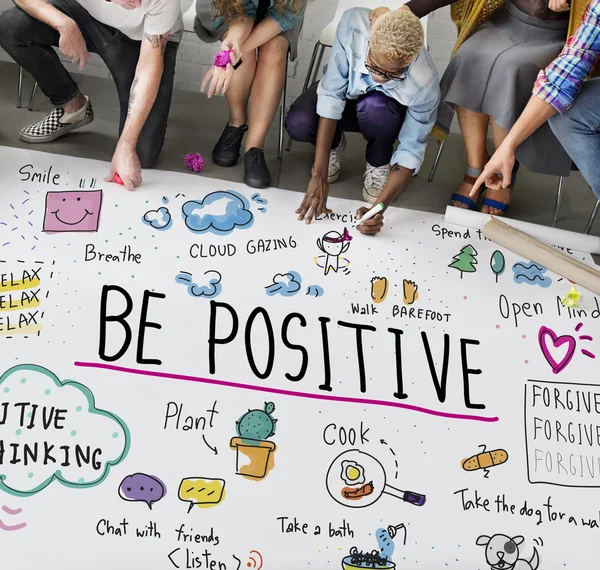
column 202, row 492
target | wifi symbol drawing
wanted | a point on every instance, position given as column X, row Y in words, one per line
column 256, row 560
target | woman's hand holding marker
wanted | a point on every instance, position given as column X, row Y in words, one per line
column 370, row 219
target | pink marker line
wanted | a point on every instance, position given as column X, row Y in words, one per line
column 280, row 392
column 10, row 528
column 588, row 353
column 10, row 511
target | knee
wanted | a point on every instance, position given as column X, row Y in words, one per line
column 298, row 124
column 148, row 156
column 13, row 25
column 379, row 111
column 274, row 52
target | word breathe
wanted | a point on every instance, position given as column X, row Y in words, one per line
column 260, row 320
column 563, row 434
column 126, row 255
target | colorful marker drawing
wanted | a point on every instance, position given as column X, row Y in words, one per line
column 531, row 274
column 72, row 211
column 219, row 213
column 143, row 488
column 498, row 263
column 255, row 560
column 485, row 460
column 333, row 245
column 380, row 558
column 11, row 513
column 379, row 289
column 160, row 219
column 253, row 429
column 549, row 342
column 356, row 479
column 315, row 291
column 209, row 290
column 465, row 260
column 202, row 492
column 409, row 292
column 502, row 552
column 285, row 284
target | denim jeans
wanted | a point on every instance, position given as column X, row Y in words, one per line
column 578, row 130
column 375, row 115
column 29, row 42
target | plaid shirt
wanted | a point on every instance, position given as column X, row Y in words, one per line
column 559, row 84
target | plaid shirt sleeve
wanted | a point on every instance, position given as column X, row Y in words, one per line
column 559, row 84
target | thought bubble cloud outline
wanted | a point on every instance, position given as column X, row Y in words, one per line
column 132, row 500
column 57, row 475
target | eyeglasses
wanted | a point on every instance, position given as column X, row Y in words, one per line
column 389, row 76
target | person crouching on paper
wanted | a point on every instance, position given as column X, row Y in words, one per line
column 381, row 82
column 138, row 42
column 261, row 33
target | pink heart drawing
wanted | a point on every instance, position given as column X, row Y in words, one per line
column 547, row 334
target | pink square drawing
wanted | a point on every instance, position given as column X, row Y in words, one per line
column 73, row 211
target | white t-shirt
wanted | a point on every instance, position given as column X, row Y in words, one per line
column 154, row 17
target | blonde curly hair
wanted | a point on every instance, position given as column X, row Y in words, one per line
column 398, row 36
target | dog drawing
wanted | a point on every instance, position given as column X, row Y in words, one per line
column 502, row 553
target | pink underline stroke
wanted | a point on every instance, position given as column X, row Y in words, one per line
column 10, row 511
column 286, row 392
column 11, row 528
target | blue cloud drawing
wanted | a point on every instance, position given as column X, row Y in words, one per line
column 158, row 219
column 211, row 290
column 219, row 213
column 285, row 284
column 531, row 274
column 315, row 291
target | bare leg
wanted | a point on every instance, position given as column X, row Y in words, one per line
column 502, row 195
column 473, row 127
column 266, row 90
column 238, row 92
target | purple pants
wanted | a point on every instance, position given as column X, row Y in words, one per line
column 375, row 115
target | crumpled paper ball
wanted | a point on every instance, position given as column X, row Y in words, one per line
column 223, row 58
column 194, row 161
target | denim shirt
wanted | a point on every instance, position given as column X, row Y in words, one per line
column 347, row 77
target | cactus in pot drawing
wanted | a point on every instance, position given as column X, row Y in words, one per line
column 253, row 429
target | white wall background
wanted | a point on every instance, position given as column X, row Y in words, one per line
column 194, row 56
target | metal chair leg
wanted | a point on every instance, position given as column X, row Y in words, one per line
column 309, row 74
column 32, row 98
column 437, row 160
column 282, row 113
column 592, row 217
column 20, row 87
column 559, row 195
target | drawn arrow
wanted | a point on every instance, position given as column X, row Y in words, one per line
column 214, row 449
column 383, row 442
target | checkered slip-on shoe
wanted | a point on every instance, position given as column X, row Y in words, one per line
column 57, row 124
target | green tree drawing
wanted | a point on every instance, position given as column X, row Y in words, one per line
column 465, row 260
column 498, row 263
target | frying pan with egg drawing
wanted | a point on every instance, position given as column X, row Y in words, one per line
column 356, row 479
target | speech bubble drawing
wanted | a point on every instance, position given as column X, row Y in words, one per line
column 54, row 432
column 202, row 492
column 143, row 488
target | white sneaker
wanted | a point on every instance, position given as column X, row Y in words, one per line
column 375, row 179
column 335, row 156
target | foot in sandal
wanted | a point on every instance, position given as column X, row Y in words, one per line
column 460, row 198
